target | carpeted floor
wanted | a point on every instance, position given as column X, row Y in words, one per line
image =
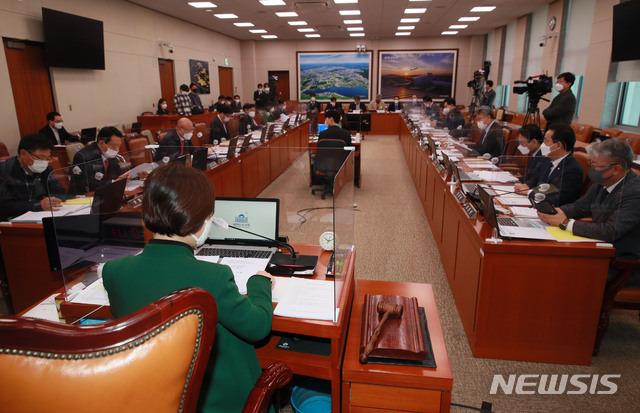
column 394, row 242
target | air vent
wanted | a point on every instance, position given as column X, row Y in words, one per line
column 311, row 6
column 329, row 28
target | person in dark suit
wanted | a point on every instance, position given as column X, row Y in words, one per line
column 260, row 97
column 55, row 131
column 248, row 119
column 333, row 131
column 563, row 106
column 334, row 105
column 270, row 95
column 221, row 103
column 559, row 167
column 26, row 182
column 395, row 105
column 313, row 106
column 489, row 95
column 97, row 165
column 430, row 108
column 451, row 118
column 162, row 107
column 179, row 216
column 612, row 203
column 530, row 139
column 218, row 127
column 357, row 105
column 177, row 141
column 236, row 105
column 492, row 140
column 196, row 103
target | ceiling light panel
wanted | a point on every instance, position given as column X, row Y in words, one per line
column 258, row 31
column 468, row 19
column 306, row 30
column 247, row 24
column 482, row 9
column 201, row 4
column 269, row 36
column 449, row 32
column 344, row 1
column 312, row 35
column 226, row 16
column 410, row 20
column 415, row 11
column 273, row 3
column 403, row 33
column 287, row 14
column 353, row 22
column 406, row 27
column 297, row 23
column 458, row 26
column 350, row 12
column 356, row 34
column 355, row 29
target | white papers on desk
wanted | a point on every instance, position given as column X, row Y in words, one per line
column 36, row 216
column 94, row 294
column 524, row 212
column 145, row 167
column 243, row 269
column 479, row 163
column 304, row 298
column 279, row 286
column 497, row 176
column 45, row 310
column 514, row 200
column 452, row 154
column 133, row 185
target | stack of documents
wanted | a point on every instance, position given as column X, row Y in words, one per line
column 66, row 209
column 496, row 176
column 305, row 298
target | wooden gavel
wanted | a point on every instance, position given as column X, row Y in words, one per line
column 388, row 310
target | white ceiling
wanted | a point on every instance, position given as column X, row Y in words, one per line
column 381, row 18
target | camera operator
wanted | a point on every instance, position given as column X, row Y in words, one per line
column 562, row 106
column 489, row 95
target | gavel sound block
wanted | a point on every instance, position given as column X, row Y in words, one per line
column 400, row 335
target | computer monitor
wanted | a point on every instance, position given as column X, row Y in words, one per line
column 108, row 198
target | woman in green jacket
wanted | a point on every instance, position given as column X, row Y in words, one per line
column 177, row 207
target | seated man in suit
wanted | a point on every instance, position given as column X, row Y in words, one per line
column 279, row 109
column 55, row 131
column 492, row 140
column 334, row 131
column 248, row 119
column 96, row 164
column 357, row 105
column 26, row 183
column 414, row 105
column 236, row 106
column 430, row 109
column 451, row 118
column 377, row 104
column 530, row 139
column 196, row 103
column 395, row 105
column 177, row 141
column 218, row 129
column 333, row 105
column 612, row 203
column 182, row 101
column 561, row 169
column 221, row 103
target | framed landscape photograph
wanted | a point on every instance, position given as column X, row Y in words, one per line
column 417, row 72
column 342, row 75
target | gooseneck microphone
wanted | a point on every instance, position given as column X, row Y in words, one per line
column 293, row 259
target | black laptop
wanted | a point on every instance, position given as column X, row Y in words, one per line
column 108, row 198
column 199, row 160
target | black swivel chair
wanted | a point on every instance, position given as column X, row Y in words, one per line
column 328, row 160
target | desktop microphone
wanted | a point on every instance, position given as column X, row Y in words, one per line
column 293, row 259
column 542, row 189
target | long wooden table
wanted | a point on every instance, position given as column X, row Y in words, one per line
column 518, row 299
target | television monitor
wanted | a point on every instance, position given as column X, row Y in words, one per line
column 625, row 31
column 72, row 41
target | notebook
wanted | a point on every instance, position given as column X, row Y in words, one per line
column 512, row 227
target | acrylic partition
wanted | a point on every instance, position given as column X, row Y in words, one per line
column 82, row 235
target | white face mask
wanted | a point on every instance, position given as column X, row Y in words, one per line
column 38, row 166
column 237, row 100
column 559, row 87
column 313, row 99
column 205, row 234
column 395, row 101
column 110, row 153
column 163, row 106
column 187, row 136
column 544, row 149
column 252, row 114
column 266, row 89
column 523, row 149
column 58, row 125
column 481, row 125
column 414, row 100
column 445, row 111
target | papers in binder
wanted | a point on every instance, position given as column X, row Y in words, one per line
column 36, row 216
column 303, row 298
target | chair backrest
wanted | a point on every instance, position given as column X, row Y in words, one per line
column 632, row 139
column 202, row 134
column 137, row 151
column 59, row 174
column 510, row 146
column 233, row 125
column 583, row 160
column 149, row 136
column 4, row 152
column 610, row 132
column 518, row 118
column 583, row 132
column 72, row 148
column 152, row 360
column 330, row 155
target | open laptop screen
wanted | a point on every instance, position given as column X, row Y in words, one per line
column 488, row 209
column 258, row 215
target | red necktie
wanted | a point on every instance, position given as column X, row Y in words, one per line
column 181, row 147
column 106, row 165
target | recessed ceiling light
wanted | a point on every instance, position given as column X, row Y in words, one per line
column 419, row 0
column 243, row 24
column 410, row 20
column 356, row 34
column 449, row 32
column 312, row 35
column 458, row 26
column 355, row 29
column 353, row 22
column 350, row 12
column 468, row 19
column 403, row 33
column 201, row 4
column 306, row 30
column 269, row 36
column 258, row 31
column 415, row 11
column 273, row 3
column 287, row 14
column 406, row 27
column 298, row 23
column 480, row 9
column 226, row 16
column 344, row 1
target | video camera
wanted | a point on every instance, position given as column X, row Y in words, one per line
column 535, row 87
column 479, row 77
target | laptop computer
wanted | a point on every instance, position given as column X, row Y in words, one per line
column 263, row 135
column 108, row 198
column 470, row 190
column 509, row 227
column 231, row 151
column 271, row 131
column 285, row 125
column 199, row 160
column 245, row 143
column 89, row 133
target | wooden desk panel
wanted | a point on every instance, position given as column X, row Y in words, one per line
column 385, row 124
column 371, row 387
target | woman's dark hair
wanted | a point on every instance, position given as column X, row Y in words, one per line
column 177, row 200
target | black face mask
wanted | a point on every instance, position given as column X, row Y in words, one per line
column 194, row 90
column 596, row 176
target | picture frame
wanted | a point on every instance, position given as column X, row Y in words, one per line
column 199, row 74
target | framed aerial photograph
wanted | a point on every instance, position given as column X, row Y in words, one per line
column 417, row 72
column 342, row 75
column 199, row 72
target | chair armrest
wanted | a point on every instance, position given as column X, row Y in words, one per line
column 272, row 378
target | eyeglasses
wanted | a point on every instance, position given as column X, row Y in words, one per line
column 606, row 165
column 48, row 159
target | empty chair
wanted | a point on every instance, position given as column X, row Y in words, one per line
column 72, row 148
column 329, row 158
column 518, row 118
column 632, row 139
column 147, row 133
column 583, row 132
column 137, row 151
column 610, row 132
column 201, row 135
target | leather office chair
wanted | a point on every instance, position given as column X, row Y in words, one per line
column 72, row 148
column 60, row 174
column 201, row 133
column 330, row 156
column 152, row 360
column 583, row 132
column 616, row 295
column 632, row 139
column 583, row 160
column 233, row 126
column 4, row 152
column 138, row 154
column 147, row 133
column 518, row 118
column 610, row 132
